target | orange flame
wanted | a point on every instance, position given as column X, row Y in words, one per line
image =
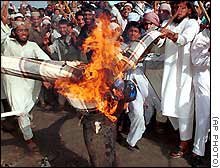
column 100, row 72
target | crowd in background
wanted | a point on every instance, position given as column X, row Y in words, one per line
column 61, row 27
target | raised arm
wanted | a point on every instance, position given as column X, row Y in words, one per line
column 4, row 12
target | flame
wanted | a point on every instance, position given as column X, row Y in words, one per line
column 100, row 72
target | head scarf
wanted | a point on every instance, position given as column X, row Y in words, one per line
column 152, row 17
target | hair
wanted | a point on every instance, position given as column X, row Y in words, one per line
column 39, row 9
column 190, row 5
column 133, row 24
column 88, row 10
column 79, row 13
column 71, row 24
column 63, row 21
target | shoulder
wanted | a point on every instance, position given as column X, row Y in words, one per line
column 192, row 22
column 32, row 44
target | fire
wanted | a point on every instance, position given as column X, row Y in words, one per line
column 100, row 72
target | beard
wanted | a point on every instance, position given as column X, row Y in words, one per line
column 20, row 40
column 178, row 20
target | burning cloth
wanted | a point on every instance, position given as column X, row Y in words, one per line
column 89, row 84
column 68, row 75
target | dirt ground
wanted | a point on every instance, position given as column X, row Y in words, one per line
column 60, row 138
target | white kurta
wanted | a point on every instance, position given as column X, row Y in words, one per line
column 177, row 94
column 21, row 93
column 201, row 81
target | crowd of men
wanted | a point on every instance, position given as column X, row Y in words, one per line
column 172, row 79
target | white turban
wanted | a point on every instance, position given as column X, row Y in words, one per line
column 17, row 23
column 165, row 6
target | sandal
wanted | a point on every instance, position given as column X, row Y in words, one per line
column 179, row 152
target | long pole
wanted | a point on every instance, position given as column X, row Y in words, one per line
column 205, row 12
column 69, row 11
column 170, row 20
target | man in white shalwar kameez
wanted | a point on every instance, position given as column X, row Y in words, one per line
column 137, row 107
column 177, row 91
column 21, row 93
column 201, row 80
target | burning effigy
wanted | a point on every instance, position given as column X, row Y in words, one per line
column 97, row 88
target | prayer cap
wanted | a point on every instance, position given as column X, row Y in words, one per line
column 46, row 22
column 128, row 4
column 35, row 14
column 46, row 18
column 18, row 15
column 165, row 6
column 17, row 23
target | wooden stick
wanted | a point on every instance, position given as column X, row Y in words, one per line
column 70, row 12
column 11, row 113
column 170, row 20
column 156, row 6
column 203, row 9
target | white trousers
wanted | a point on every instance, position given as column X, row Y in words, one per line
column 185, row 126
column 136, row 107
column 25, row 126
column 153, row 103
column 136, row 116
column 202, row 108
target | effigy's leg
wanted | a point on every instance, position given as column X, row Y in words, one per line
column 100, row 139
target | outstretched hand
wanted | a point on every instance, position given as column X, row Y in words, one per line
column 47, row 85
column 166, row 33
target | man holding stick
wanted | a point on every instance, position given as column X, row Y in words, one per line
column 177, row 92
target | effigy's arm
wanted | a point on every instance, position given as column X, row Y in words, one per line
column 50, row 70
column 43, row 70
column 136, row 49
